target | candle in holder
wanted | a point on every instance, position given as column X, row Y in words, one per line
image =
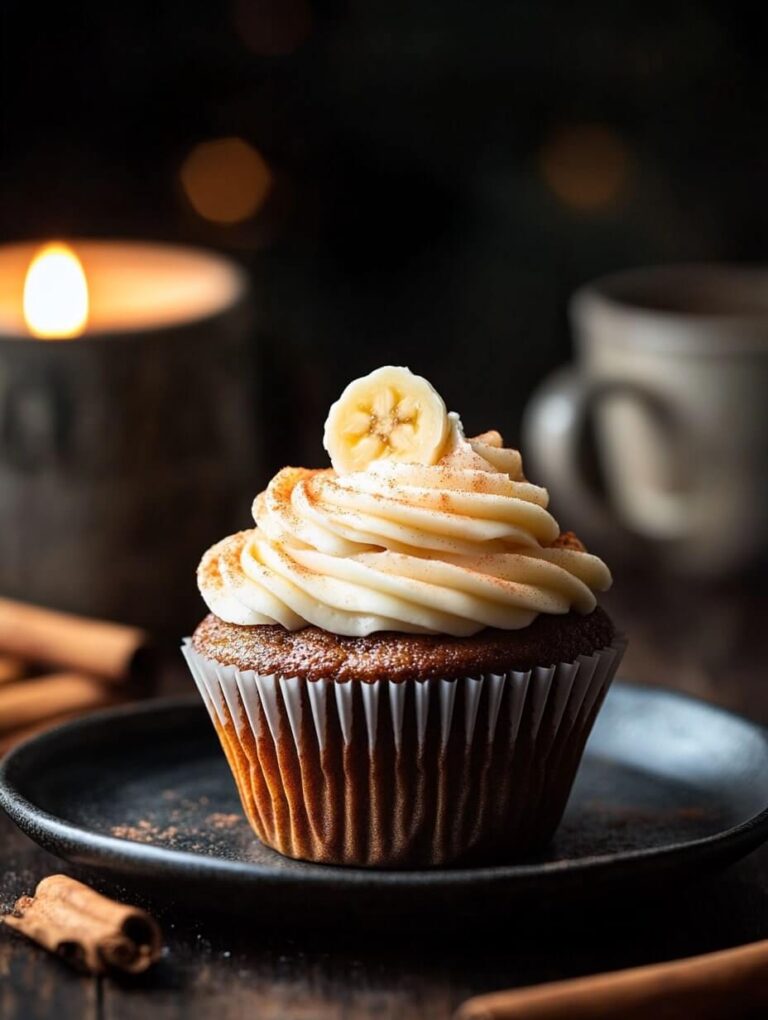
column 127, row 422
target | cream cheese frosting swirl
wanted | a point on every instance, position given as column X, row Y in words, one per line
column 447, row 547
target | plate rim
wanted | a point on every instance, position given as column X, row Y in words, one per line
column 116, row 853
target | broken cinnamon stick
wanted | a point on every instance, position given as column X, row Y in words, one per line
column 88, row 930
column 109, row 650
column 729, row 983
column 23, row 703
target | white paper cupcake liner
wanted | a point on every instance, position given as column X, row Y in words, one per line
column 415, row 773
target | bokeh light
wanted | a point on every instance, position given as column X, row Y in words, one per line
column 585, row 165
column 272, row 28
column 226, row 180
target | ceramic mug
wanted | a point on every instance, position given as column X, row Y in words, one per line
column 672, row 370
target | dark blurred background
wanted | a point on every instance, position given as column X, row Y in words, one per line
column 421, row 183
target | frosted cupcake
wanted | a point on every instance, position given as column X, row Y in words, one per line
column 404, row 658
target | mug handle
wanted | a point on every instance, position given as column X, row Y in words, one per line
column 554, row 432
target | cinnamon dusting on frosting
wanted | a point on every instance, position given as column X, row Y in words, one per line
column 449, row 548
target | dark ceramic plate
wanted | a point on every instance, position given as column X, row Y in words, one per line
column 669, row 787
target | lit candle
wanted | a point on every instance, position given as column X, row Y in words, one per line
column 56, row 294
column 127, row 423
column 89, row 287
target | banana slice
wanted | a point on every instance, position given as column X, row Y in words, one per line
column 389, row 414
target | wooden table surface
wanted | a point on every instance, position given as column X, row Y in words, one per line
column 709, row 642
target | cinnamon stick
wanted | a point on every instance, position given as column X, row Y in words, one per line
column 109, row 650
column 13, row 737
column 11, row 668
column 24, row 703
column 88, row 930
column 730, row 983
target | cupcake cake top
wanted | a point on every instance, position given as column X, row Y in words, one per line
column 415, row 528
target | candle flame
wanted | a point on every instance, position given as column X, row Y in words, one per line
column 55, row 294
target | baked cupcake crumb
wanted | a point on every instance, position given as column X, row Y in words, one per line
column 315, row 654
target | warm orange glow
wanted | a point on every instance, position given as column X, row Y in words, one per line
column 55, row 294
column 226, row 180
column 586, row 166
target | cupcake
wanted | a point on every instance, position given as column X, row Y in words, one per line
column 404, row 657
